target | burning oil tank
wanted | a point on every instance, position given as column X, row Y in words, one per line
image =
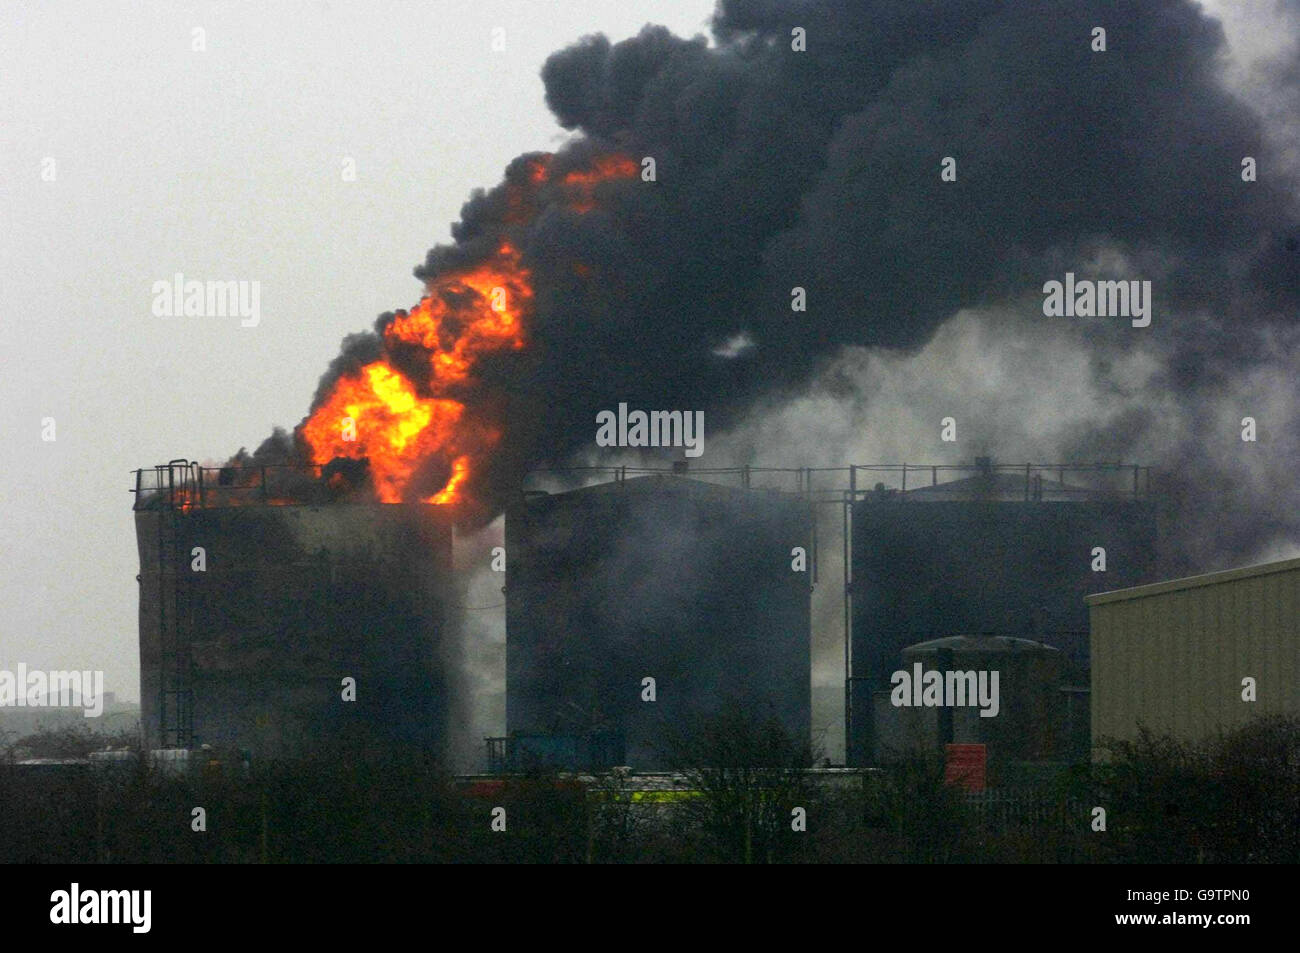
column 688, row 583
column 263, row 591
column 1008, row 551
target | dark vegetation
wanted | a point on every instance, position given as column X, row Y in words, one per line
column 1231, row 799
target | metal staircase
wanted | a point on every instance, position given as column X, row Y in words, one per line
column 178, row 486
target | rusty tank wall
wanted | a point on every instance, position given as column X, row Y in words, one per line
column 292, row 600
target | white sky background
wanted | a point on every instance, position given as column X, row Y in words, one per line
column 222, row 164
column 226, row 164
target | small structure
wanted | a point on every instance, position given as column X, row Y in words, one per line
column 997, row 691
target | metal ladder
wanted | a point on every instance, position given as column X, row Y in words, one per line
column 178, row 485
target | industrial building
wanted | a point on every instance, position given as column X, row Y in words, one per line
column 263, row 590
column 633, row 608
column 1174, row 656
column 636, row 606
column 1010, row 551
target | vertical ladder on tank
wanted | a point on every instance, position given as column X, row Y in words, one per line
column 178, row 480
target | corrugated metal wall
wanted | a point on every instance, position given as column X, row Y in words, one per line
column 1172, row 656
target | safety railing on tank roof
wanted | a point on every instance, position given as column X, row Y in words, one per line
column 855, row 482
column 1034, row 480
column 803, row 481
column 185, row 484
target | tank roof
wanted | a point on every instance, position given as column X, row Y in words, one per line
column 1003, row 485
column 665, row 483
column 1004, row 644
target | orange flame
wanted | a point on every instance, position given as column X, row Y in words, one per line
column 604, row 169
column 582, row 183
column 376, row 415
column 459, row 471
column 468, row 314
column 399, row 424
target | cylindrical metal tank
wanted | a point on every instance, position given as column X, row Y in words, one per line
column 1002, row 553
column 685, row 583
column 253, row 617
column 1026, row 713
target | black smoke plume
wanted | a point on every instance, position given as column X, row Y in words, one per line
column 820, row 169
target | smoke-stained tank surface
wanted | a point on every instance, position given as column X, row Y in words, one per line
column 262, row 595
column 1011, row 551
column 684, row 582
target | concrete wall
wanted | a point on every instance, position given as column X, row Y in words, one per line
column 1172, row 655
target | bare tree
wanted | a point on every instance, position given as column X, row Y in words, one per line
column 747, row 776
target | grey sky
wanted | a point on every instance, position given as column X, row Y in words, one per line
column 220, row 164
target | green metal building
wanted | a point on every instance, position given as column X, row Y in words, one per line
column 1174, row 656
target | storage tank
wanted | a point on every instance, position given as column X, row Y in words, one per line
column 661, row 577
column 1025, row 708
column 1009, row 551
column 255, row 607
